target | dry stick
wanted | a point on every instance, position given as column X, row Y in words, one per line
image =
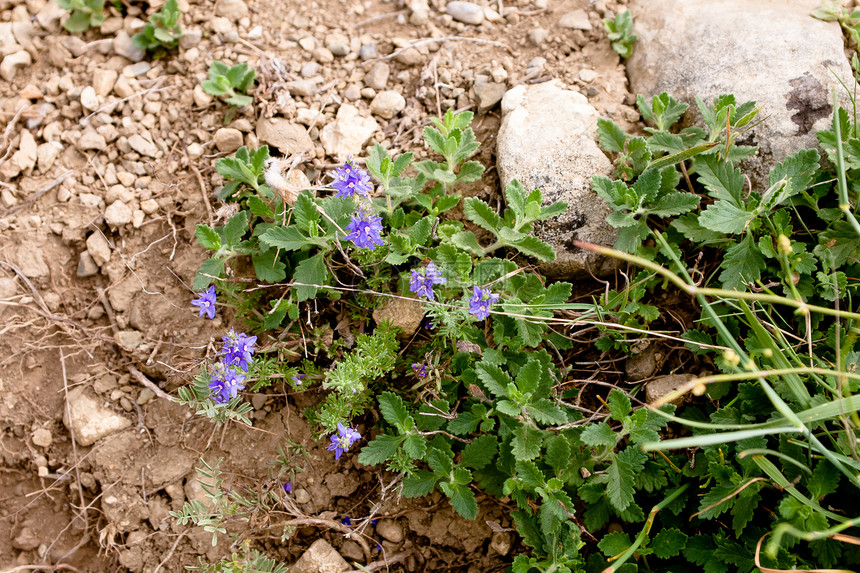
column 437, row 40
column 141, row 377
column 32, row 197
column 169, row 553
column 379, row 17
column 72, row 434
column 204, row 192
column 10, row 127
column 57, row 567
column 384, row 563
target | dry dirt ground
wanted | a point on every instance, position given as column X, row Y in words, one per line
column 71, row 324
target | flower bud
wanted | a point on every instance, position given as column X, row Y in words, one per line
column 731, row 357
column 783, row 243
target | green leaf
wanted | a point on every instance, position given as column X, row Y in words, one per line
column 674, row 203
column 724, row 217
column 207, row 237
column 420, row 231
column 742, row 264
column 799, row 169
column 494, row 379
column 394, row 411
column 546, row 413
column 558, row 454
column 611, row 137
column 619, row 404
column 435, row 140
column 379, row 450
column 598, row 435
column 289, row 238
column 210, row 268
column 469, row 172
column 462, row 499
column 440, row 462
column 467, row 241
column 837, row 244
column 614, row 543
column 480, row 213
column 669, row 543
column 310, row 271
column 531, row 476
column 268, row 268
column 415, row 445
column 700, row 550
column 722, row 179
column 526, row 443
column 258, row 207
column 536, row 248
column 419, row 484
column 480, row 452
column 621, row 475
column 235, row 228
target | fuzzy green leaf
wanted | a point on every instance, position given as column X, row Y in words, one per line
column 209, row 268
column 546, row 413
column 724, row 217
column 235, row 228
column 742, row 264
column 481, row 452
column 310, row 271
column 268, row 267
column 669, row 543
column 619, row 404
column 415, row 445
column 394, row 411
column 462, row 499
column 419, row 484
column 379, row 450
column 536, row 248
column 526, row 443
column 598, row 435
column 207, row 237
column 622, row 477
column 494, row 379
column 481, row 214
column 530, row 474
column 614, row 543
column 467, row 241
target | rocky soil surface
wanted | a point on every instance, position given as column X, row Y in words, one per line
column 107, row 164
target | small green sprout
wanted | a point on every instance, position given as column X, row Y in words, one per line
column 230, row 84
column 620, row 31
column 162, row 32
column 85, row 14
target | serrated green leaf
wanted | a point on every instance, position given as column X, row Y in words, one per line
column 545, row 412
column 415, row 445
column 614, row 543
column 310, row 271
column 268, row 267
column 462, row 499
column 258, row 207
column 526, row 443
column 379, row 450
column 741, row 264
column 469, row 172
column 394, row 411
column 669, row 543
column 536, row 248
column 207, row 237
column 558, row 454
column 724, row 217
column 420, row 231
column 467, row 241
column 210, row 268
column 494, row 379
column 480, row 452
column 440, row 462
column 610, row 135
column 598, row 435
column 235, row 228
column 619, row 404
column 419, row 484
column 674, row 203
column 305, row 212
column 289, row 238
column 722, row 179
column 480, row 213
column 621, row 475
column 531, row 476
column 435, row 140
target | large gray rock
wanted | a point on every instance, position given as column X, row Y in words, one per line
column 89, row 419
column 768, row 51
column 547, row 141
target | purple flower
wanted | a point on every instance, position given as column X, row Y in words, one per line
column 366, row 229
column 420, row 370
column 206, row 302
column 341, row 441
column 346, row 521
column 297, row 379
column 225, row 381
column 350, row 180
column 238, row 349
column 479, row 304
column 288, row 487
column 422, row 280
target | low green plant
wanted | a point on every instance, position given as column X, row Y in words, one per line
column 162, row 31
column 849, row 19
column 230, row 84
column 85, row 14
column 619, row 30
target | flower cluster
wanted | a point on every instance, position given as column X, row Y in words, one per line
column 423, row 280
column 365, row 227
column 342, row 441
column 228, row 376
column 350, row 180
column 225, row 381
column 479, row 304
column 420, row 370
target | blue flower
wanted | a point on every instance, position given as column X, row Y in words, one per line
column 341, row 441
column 422, row 280
column 350, row 180
column 206, row 302
column 420, row 370
column 238, row 349
column 288, row 487
column 346, row 521
column 479, row 304
column 225, row 381
column 297, row 379
column 366, row 229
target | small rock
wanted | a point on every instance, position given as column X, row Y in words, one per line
column 368, row 51
column 420, row 13
column 195, row 150
column 89, row 99
column 123, row 46
column 320, row 557
column 233, row 10
column 89, row 420
column 91, row 139
column 129, row 339
column 465, row 12
column 500, row 75
column 387, row 104
column 31, row 260
column 49, row 16
column 103, row 81
column 405, row 314
column 10, row 64
column 377, row 77
column 288, row 137
column 391, row 530
column 303, row 88
column 190, row 38
column 491, row 15
column 663, row 385
column 42, row 437
column 146, row 395
column 142, row 145
column 23, row 32
column 124, row 87
column 489, row 94
column 302, row 496
column 118, row 214
column 308, row 43
column 26, row 540
column 25, row 158
column 338, row 44
column 351, row 93
column 310, row 69
column 576, row 20
column 111, row 26
column 201, row 98
column 222, row 26
column 87, row 267
column 538, row 36
column 410, row 57
column 323, row 55
column 135, row 70
column 348, row 133
column 368, row 93
column 501, row 542
column 8, row 289
column 31, row 92
column 149, row 206
column 587, row 76
column 99, row 248
column 228, row 139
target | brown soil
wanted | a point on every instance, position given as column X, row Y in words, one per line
column 103, row 507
